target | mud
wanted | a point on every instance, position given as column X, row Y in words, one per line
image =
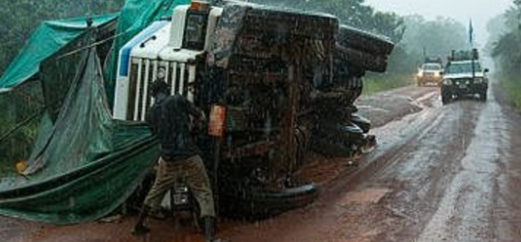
column 439, row 173
column 385, row 107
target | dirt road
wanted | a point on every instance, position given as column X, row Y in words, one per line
column 440, row 173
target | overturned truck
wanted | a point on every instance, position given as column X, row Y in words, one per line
column 274, row 83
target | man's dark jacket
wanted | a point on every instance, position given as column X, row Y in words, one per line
column 169, row 119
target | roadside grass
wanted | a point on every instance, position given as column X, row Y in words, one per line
column 375, row 83
column 512, row 85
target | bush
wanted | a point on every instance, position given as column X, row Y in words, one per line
column 374, row 83
column 512, row 85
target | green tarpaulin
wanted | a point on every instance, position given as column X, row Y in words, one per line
column 47, row 39
column 84, row 163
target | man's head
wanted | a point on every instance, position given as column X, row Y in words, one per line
column 159, row 86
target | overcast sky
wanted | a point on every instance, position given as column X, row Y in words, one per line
column 480, row 11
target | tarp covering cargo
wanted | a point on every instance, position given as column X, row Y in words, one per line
column 84, row 164
column 48, row 38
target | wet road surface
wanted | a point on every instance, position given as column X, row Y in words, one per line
column 439, row 173
column 446, row 173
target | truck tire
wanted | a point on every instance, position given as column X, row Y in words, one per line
column 445, row 99
column 363, row 123
column 260, row 203
column 334, row 130
column 364, row 60
column 336, row 139
column 483, row 96
column 364, row 41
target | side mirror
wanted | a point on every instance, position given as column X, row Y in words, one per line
column 486, row 70
column 441, row 73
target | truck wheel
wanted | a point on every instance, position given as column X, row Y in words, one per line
column 337, row 140
column 445, row 99
column 483, row 96
column 363, row 123
column 259, row 203
column 364, row 41
column 364, row 60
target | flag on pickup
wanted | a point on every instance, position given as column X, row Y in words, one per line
column 471, row 33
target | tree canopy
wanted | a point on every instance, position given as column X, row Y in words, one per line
column 436, row 37
column 413, row 34
column 352, row 12
column 21, row 17
column 506, row 44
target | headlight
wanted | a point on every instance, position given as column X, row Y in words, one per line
column 420, row 74
column 479, row 80
column 447, row 82
column 467, row 82
column 436, row 74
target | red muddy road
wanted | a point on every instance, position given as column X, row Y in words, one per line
column 440, row 173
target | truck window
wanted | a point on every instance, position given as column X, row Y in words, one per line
column 195, row 30
column 431, row 67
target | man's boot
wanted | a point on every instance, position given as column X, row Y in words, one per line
column 140, row 228
column 209, row 230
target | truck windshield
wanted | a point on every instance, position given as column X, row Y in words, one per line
column 431, row 67
column 462, row 67
column 195, row 31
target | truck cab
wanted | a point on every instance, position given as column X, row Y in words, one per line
column 171, row 50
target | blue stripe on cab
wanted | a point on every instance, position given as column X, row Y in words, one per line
column 124, row 56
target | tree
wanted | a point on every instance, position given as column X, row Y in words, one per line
column 352, row 12
column 436, row 38
column 21, row 17
column 506, row 44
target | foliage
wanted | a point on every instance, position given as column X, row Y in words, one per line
column 21, row 17
column 21, row 106
column 496, row 27
column 425, row 38
column 375, row 83
column 413, row 34
column 512, row 85
column 506, row 45
column 352, row 12
column 436, row 37
column 506, row 51
column 403, row 60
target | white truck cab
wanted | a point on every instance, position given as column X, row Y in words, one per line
column 166, row 49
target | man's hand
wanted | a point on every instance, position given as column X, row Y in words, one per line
column 202, row 116
column 198, row 122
